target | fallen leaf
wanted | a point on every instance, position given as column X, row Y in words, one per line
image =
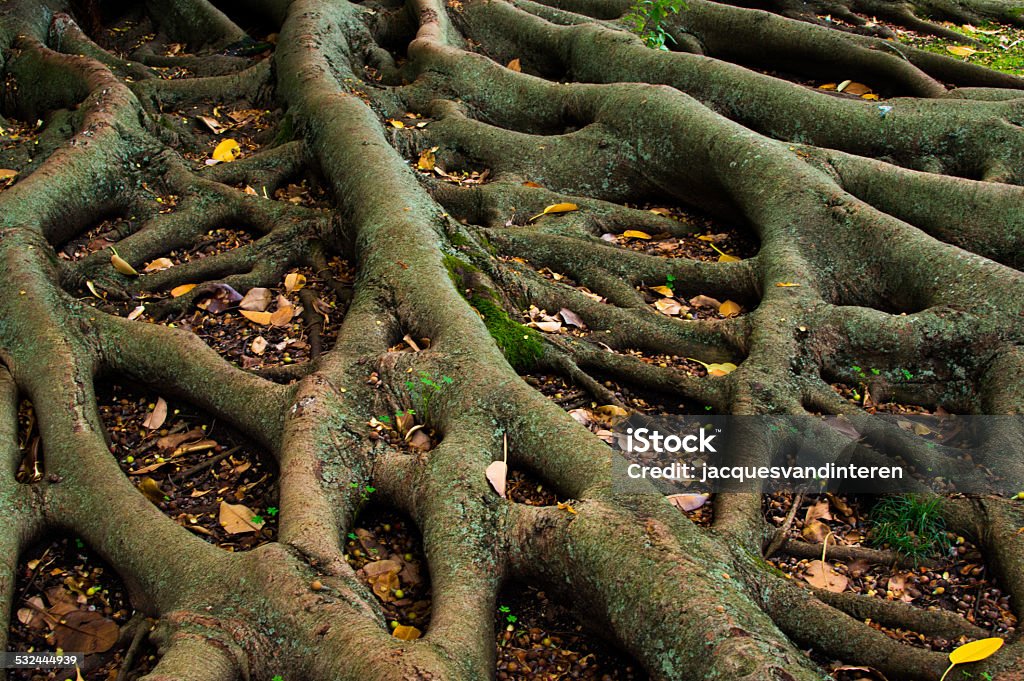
column 722, row 369
column 668, row 306
column 636, row 234
column 571, row 318
column 688, row 502
column 136, row 313
column 514, row 65
column 213, row 124
column 786, row 284
column 121, row 265
column 261, row 318
column 282, row 316
column 227, row 151
column 7, row 173
column 976, row 651
column 555, row 208
column 725, row 257
column 497, row 475
column 159, row 264
column 898, row 586
column 961, row 51
column 406, row 633
column 217, row 298
column 294, row 281
column 156, row 417
column 86, row 631
column 729, row 309
column 823, row 576
column 611, row 410
column 704, row 301
column 179, row 291
column 663, row 290
column 238, row 519
column 871, row 96
column 818, row 511
column 395, row 123
column 528, row 183
column 150, row 488
column 256, row 300
column 827, row 86
column 547, row 327
column 566, row 506
column 815, row 532
column 427, row 161
column 259, row 345
column 853, row 88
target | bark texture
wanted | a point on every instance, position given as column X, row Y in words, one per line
column 900, row 220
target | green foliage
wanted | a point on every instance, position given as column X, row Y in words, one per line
column 423, row 389
column 645, row 18
column 909, row 524
column 1002, row 47
column 521, row 345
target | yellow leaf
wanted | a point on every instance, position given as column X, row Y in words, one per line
column 976, row 651
column 122, row 266
column 786, row 284
column 961, row 51
column 179, row 291
column 7, row 173
column 159, row 264
column 728, row 309
column 150, row 488
column 636, row 234
column 294, row 281
column 612, row 410
column 427, row 160
column 725, row 257
column 528, row 183
column 566, row 506
column 261, row 318
column 556, row 208
column 227, row 151
column 827, row 86
column 721, row 369
column 514, row 65
column 92, row 289
column 706, row 237
column 871, row 95
column 395, row 123
column 406, row 633
column 663, row 290
column 281, row 317
column 853, row 88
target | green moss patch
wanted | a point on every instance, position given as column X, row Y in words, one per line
column 521, row 345
column 1002, row 46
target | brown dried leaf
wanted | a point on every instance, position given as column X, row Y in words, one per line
column 159, row 264
column 294, row 281
column 86, row 631
column 514, row 65
column 823, row 576
column 238, row 519
column 256, row 300
column 156, row 417
column 282, row 316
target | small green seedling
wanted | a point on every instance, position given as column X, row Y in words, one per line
column 646, row 19
column 424, row 389
column 272, row 511
column 670, row 281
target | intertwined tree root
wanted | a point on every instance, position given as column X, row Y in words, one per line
column 900, row 220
